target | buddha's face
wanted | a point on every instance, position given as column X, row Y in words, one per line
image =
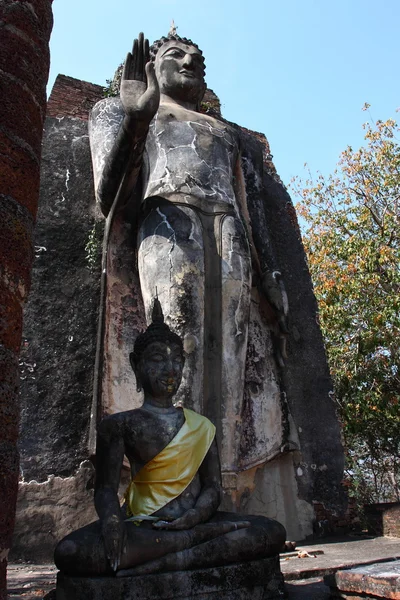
column 160, row 369
column 180, row 71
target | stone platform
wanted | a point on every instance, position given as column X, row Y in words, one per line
column 258, row 580
column 378, row 581
column 303, row 576
column 336, row 554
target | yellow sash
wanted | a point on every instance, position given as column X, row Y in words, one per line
column 169, row 473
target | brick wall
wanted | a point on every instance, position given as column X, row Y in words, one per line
column 24, row 67
column 383, row 518
column 391, row 520
column 73, row 98
column 327, row 522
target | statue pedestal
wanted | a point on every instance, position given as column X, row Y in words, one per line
column 258, row 580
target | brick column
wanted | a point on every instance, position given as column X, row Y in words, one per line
column 25, row 28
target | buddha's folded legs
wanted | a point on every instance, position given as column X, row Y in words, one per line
column 82, row 552
column 265, row 537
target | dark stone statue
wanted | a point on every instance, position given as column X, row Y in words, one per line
column 169, row 520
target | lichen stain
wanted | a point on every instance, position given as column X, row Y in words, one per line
column 186, row 270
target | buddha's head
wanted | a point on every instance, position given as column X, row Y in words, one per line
column 180, row 68
column 157, row 358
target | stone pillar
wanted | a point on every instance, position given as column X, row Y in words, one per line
column 24, row 66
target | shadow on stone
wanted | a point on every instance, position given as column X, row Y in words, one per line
column 307, row 590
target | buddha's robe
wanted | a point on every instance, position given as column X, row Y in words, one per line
column 168, row 474
column 190, row 246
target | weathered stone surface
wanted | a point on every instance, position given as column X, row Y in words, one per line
column 259, row 580
column 338, row 554
column 380, row 580
column 104, row 121
column 48, row 511
column 272, row 490
column 305, row 379
column 58, row 353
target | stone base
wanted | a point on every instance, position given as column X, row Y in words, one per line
column 258, row 580
column 380, row 581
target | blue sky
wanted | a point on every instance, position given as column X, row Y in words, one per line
column 297, row 70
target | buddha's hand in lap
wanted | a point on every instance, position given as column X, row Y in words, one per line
column 113, row 532
column 191, row 518
column 188, row 520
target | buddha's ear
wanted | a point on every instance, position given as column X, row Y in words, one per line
column 134, row 365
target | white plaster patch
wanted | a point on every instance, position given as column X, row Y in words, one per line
column 275, row 495
column 47, row 511
column 190, row 343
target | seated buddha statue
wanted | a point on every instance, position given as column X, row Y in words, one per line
column 169, row 520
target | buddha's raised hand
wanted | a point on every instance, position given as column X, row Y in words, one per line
column 140, row 94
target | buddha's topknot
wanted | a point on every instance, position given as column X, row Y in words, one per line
column 154, row 48
column 157, row 331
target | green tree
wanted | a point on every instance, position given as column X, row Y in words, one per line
column 352, row 239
